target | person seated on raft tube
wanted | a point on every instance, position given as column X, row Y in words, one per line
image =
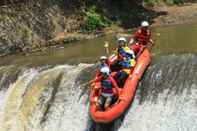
column 141, row 38
column 120, row 52
column 127, row 64
column 108, row 89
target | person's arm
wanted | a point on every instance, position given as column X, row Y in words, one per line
column 114, row 86
column 93, row 82
column 151, row 41
column 136, row 35
column 149, row 38
column 97, row 79
column 152, row 44
column 116, row 90
column 106, row 45
column 107, row 62
column 131, row 40
column 97, row 73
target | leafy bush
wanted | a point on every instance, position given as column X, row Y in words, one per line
column 151, row 2
column 170, row 2
column 94, row 21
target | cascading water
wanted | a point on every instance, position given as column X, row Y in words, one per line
column 43, row 99
column 51, row 98
column 166, row 98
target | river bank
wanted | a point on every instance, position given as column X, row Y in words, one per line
column 167, row 16
column 53, row 26
column 176, row 14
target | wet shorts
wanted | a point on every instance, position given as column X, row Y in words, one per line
column 105, row 99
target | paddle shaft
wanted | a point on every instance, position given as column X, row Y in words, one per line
column 106, row 45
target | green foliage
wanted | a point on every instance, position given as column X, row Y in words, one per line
column 94, row 21
column 170, row 2
column 151, row 2
column 174, row 2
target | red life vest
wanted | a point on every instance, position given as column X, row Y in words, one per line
column 108, row 85
column 136, row 48
column 142, row 36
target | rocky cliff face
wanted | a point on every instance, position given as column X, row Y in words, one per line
column 28, row 24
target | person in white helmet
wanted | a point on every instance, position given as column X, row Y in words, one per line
column 108, row 89
column 121, row 53
column 142, row 37
column 127, row 66
column 103, row 62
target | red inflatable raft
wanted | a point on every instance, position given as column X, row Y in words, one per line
column 127, row 92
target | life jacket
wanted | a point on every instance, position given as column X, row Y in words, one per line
column 129, row 52
column 142, row 36
column 107, row 86
column 128, row 64
column 120, row 52
column 132, row 62
column 136, row 48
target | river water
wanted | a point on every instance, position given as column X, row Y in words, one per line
column 43, row 92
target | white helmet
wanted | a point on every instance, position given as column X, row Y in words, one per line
column 103, row 58
column 130, row 52
column 105, row 70
column 122, row 39
column 144, row 24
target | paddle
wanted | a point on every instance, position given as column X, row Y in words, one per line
column 106, row 46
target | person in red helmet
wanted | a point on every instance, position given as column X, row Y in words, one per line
column 141, row 38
